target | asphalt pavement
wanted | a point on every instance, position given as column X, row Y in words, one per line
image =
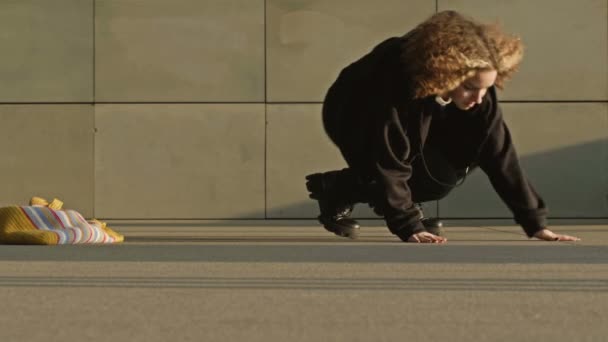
column 277, row 281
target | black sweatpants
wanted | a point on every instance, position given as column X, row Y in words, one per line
column 432, row 179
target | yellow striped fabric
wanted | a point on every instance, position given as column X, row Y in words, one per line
column 42, row 223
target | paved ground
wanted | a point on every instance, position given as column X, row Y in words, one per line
column 294, row 282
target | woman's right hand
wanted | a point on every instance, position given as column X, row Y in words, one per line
column 426, row 237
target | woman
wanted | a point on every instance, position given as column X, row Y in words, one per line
column 412, row 118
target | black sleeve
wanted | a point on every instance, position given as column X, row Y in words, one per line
column 393, row 170
column 498, row 159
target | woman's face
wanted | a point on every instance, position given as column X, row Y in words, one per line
column 471, row 91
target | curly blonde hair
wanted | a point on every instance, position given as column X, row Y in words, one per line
column 443, row 51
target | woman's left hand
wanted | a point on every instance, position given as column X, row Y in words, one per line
column 547, row 235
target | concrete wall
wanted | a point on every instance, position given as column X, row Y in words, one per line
column 190, row 109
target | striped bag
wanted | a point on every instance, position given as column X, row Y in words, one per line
column 42, row 223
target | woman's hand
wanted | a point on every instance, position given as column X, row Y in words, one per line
column 426, row 237
column 548, row 235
